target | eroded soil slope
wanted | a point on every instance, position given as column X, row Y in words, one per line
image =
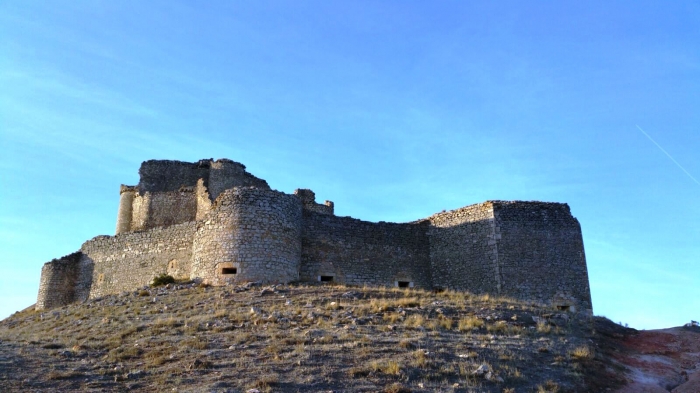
column 305, row 339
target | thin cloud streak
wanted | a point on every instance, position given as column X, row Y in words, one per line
column 668, row 155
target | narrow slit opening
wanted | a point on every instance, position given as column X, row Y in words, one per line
column 229, row 270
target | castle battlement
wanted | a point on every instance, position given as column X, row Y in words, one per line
column 214, row 221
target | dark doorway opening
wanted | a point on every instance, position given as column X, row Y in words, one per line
column 404, row 284
column 326, row 278
column 229, row 270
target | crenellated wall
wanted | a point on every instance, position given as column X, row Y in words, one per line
column 360, row 252
column 255, row 231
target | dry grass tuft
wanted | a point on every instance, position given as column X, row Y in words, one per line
column 469, row 323
column 581, row 353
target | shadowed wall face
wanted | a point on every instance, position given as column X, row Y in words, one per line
column 540, row 254
column 463, row 249
column 166, row 175
column 352, row 251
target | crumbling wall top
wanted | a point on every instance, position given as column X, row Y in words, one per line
column 217, row 175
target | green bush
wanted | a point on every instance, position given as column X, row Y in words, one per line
column 163, row 279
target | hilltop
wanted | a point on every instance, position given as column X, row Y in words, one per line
column 190, row 337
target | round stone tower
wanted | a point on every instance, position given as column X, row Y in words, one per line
column 125, row 213
column 251, row 234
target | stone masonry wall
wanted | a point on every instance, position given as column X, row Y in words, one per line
column 360, row 252
column 540, row 253
column 64, row 281
column 255, row 231
column 213, row 220
column 133, row 259
column 218, row 175
column 159, row 209
column 167, row 175
column 308, row 200
column 225, row 174
column 462, row 249
column 204, row 202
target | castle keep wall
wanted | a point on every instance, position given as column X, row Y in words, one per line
column 540, row 253
column 159, row 209
column 251, row 234
column 225, row 174
column 133, row 259
column 166, row 175
column 352, row 251
column 463, row 251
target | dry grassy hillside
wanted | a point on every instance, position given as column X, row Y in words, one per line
column 301, row 338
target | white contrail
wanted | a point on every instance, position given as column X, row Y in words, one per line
column 668, row 155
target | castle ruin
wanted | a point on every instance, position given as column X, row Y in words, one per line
column 214, row 221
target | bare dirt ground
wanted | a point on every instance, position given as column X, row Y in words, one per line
column 302, row 338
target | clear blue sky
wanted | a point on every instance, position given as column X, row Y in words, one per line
column 393, row 109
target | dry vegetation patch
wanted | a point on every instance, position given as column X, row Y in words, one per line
column 289, row 338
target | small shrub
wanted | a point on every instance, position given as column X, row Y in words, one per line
column 582, row 352
column 163, row 279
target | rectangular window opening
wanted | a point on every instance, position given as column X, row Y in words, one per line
column 403, row 284
column 229, row 270
column 563, row 308
column 325, row 278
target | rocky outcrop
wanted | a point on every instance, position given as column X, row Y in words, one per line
column 665, row 360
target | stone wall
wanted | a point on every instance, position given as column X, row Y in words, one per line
column 174, row 192
column 308, row 200
column 133, row 259
column 352, row 251
column 251, row 234
column 65, row 280
column 225, row 174
column 204, row 201
column 218, row 175
column 213, row 220
column 167, row 175
column 463, row 249
column 159, row 209
column 540, row 253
